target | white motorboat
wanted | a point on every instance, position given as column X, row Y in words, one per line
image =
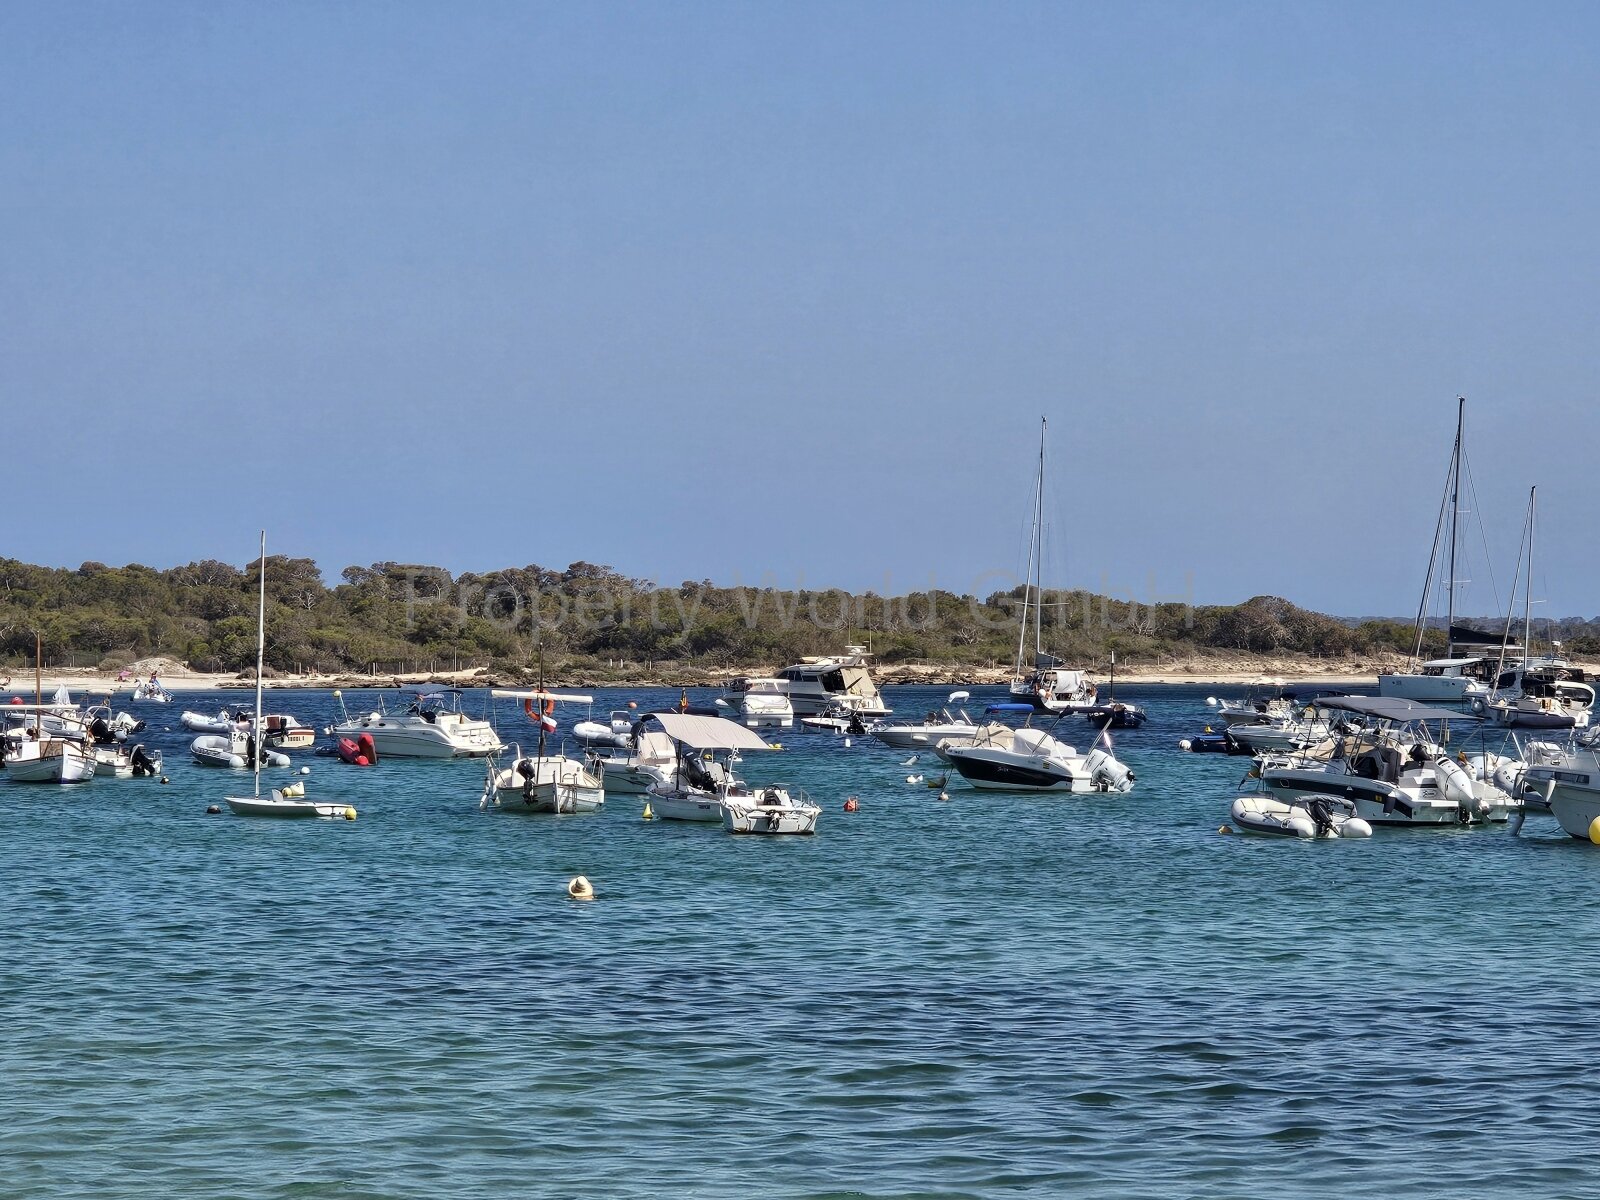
column 126, row 762
column 287, row 802
column 634, row 771
column 926, row 734
column 432, row 726
column 51, row 760
column 1277, row 737
column 1567, row 781
column 1265, row 700
column 542, row 781
column 150, row 691
column 1030, row 760
column 1306, row 817
column 549, row 784
column 703, row 780
column 1395, row 770
column 1441, row 681
column 770, row 810
column 759, row 700
column 826, row 684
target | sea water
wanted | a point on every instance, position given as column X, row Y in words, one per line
column 985, row 995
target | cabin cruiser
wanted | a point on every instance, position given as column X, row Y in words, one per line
column 1030, row 760
column 819, row 685
column 926, row 734
column 760, row 701
column 432, row 726
column 1391, row 768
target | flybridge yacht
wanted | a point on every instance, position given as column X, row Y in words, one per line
column 759, row 701
column 821, row 685
column 432, row 726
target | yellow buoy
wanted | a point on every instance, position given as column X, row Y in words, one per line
column 774, row 745
column 580, row 888
column 649, row 814
column 349, row 814
column 1224, row 829
column 1594, row 831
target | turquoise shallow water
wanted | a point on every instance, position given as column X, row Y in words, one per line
column 995, row 995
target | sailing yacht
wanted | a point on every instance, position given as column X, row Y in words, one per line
column 1049, row 686
column 1453, row 679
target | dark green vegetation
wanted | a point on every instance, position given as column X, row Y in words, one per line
column 393, row 616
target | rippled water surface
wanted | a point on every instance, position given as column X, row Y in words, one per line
column 990, row 995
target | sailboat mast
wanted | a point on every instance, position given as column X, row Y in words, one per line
column 261, row 655
column 38, row 686
column 1455, row 523
column 1033, row 548
column 1038, row 568
column 1527, row 594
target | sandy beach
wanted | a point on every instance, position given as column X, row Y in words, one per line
column 1234, row 670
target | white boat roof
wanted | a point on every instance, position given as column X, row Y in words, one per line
column 708, row 733
column 516, row 694
column 1451, row 662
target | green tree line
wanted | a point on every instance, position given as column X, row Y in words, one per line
column 204, row 613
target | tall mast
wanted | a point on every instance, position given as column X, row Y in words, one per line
column 1033, row 545
column 261, row 654
column 1038, row 561
column 1455, row 522
column 38, row 686
column 1527, row 594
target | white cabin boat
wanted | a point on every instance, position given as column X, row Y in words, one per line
column 432, row 726
column 827, row 685
column 51, row 760
column 545, row 781
column 758, row 701
column 1030, row 760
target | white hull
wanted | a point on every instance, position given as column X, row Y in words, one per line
column 276, row 806
column 922, row 737
column 1431, row 689
column 411, row 737
column 685, row 806
column 69, row 764
column 1271, row 817
column 1575, row 809
column 546, row 785
column 771, row 812
column 214, row 750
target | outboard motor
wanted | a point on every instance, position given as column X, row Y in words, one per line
column 143, row 764
column 1321, row 816
column 856, row 728
column 1106, row 774
column 526, row 770
column 100, row 732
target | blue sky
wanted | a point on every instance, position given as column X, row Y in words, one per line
column 780, row 291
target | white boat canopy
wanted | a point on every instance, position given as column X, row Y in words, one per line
column 708, row 733
column 1389, row 708
column 513, row 694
